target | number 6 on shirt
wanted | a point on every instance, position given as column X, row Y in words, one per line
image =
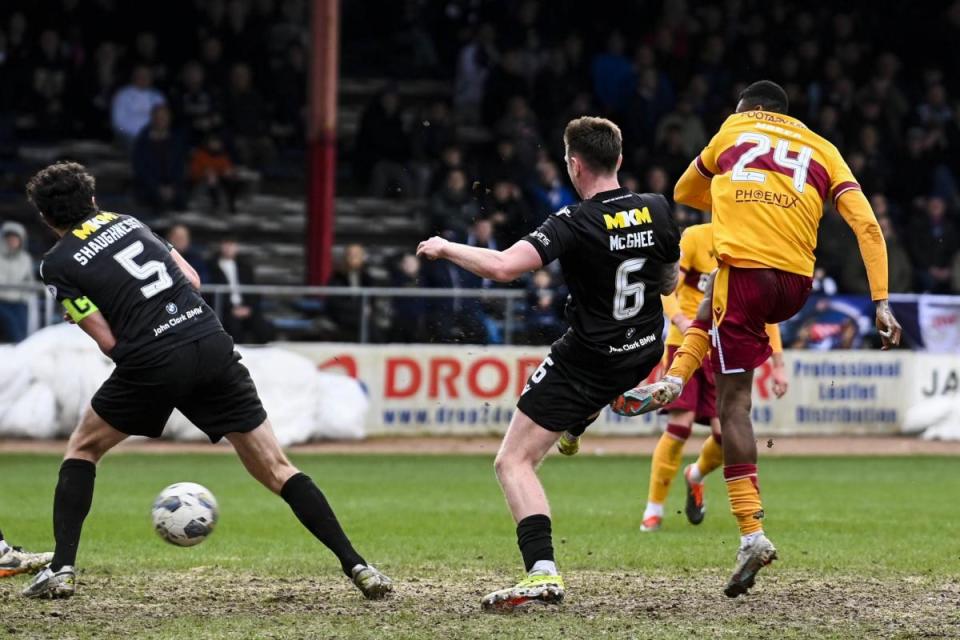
column 626, row 289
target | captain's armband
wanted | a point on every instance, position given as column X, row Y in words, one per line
column 79, row 308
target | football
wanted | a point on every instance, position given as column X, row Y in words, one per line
column 185, row 513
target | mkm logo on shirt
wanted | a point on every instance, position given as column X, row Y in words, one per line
column 91, row 226
column 626, row 219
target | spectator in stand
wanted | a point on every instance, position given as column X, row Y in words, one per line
column 935, row 110
column 194, row 104
column 433, row 136
column 159, row 162
column 552, row 193
column 505, row 164
column 473, row 67
column 613, row 75
column 828, row 125
column 289, row 95
column 823, row 282
column 506, row 80
column 553, row 90
column 460, row 319
column 212, row 169
column 519, row 124
column 133, row 104
column 409, row 313
column 651, row 101
column 145, row 54
column 453, row 208
column 247, row 117
column 629, row 181
column 686, row 124
column 99, row 82
column 240, row 313
column 875, row 156
column 475, row 313
column 670, row 152
column 509, row 213
column 853, row 278
column 214, row 66
column 545, row 301
column 657, row 181
column 348, row 311
column 450, row 158
column 16, row 268
column 48, row 89
column 179, row 236
column 934, row 244
column 382, row 147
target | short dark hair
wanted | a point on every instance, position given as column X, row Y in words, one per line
column 767, row 94
column 63, row 194
column 596, row 141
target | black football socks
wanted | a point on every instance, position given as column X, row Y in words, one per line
column 71, row 504
column 535, row 539
column 314, row 512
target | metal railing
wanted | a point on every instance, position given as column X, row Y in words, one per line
column 43, row 309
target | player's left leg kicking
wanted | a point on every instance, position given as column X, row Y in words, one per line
column 14, row 560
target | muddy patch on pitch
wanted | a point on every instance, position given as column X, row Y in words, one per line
column 783, row 604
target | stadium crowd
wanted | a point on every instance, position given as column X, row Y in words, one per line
column 207, row 98
column 520, row 71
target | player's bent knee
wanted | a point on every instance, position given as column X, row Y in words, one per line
column 735, row 410
column 506, row 462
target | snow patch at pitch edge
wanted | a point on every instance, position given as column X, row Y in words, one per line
column 48, row 379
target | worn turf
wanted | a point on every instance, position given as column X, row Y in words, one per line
column 869, row 548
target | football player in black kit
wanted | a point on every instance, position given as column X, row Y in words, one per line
column 618, row 251
column 137, row 298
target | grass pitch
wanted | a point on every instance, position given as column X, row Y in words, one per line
column 869, row 548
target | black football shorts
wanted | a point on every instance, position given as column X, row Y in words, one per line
column 203, row 379
column 564, row 395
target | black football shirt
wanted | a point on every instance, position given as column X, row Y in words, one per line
column 114, row 264
column 613, row 249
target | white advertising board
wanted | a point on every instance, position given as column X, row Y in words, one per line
column 467, row 389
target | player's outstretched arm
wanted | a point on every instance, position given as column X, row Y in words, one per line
column 856, row 211
column 97, row 327
column 693, row 189
column 500, row 266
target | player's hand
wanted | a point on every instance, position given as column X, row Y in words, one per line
column 432, row 249
column 683, row 322
column 780, row 382
column 887, row 326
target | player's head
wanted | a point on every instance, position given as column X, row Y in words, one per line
column 63, row 194
column 763, row 95
column 594, row 148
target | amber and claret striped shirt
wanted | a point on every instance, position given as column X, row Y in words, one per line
column 765, row 176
